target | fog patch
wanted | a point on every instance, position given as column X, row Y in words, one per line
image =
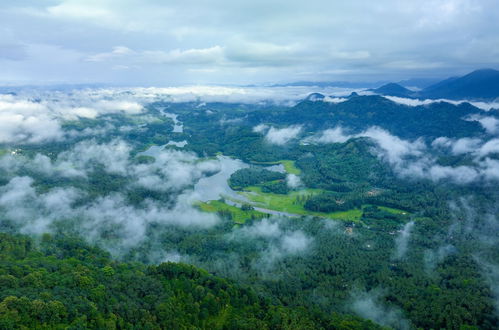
column 416, row 159
column 332, row 135
column 417, row 102
column 402, row 241
column 459, row 146
column 491, row 273
column 489, row 123
column 25, row 121
column 281, row 136
column 279, row 242
column 293, row 181
column 432, row 258
column 370, row 305
column 109, row 219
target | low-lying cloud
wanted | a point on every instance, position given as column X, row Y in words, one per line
column 417, row 102
column 402, row 240
column 281, row 242
column 417, row 159
column 369, row 305
column 281, row 136
column 171, row 171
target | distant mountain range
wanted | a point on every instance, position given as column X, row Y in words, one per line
column 359, row 113
column 477, row 85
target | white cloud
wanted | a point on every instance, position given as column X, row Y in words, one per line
column 281, row 242
column 369, row 305
column 132, row 58
column 491, row 124
column 414, row 158
column 332, row 135
column 417, row 102
column 293, row 181
column 402, row 240
column 281, row 136
column 24, row 121
column 260, row 128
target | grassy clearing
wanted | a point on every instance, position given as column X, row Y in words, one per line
column 290, row 167
column 392, row 210
column 293, row 203
column 238, row 215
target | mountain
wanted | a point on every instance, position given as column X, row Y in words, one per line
column 393, row 89
column 361, row 112
column 480, row 84
column 419, row 83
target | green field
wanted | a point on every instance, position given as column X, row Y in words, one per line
column 291, row 203
column 238, row 215
column 392, row 210
column 289, row 165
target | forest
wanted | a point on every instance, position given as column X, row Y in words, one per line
column 308, row 226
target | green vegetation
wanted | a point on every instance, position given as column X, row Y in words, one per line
column 262, row 277
column 252, row 176
column 238, row 214
column 290, row 167
column 66, row 284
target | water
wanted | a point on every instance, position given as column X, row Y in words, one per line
column 178, row 127
column 215, row 186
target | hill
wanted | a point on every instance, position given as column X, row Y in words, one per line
column 479, row 84
column 361, row 112
column 393, row 89
column 66, row 284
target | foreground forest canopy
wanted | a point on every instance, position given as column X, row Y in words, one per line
column 145, row 208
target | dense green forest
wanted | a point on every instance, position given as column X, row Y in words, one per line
column 116, row 237
column 62, row 283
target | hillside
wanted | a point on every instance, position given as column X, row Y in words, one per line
column 65, row 283
column 393, row 89
column 479, row 84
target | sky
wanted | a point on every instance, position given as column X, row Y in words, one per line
column 167, row 43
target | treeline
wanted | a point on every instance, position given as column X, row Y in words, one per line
column 65, row 284
column 252, row 176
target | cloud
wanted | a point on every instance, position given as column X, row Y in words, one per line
column 293, row 181
column 23, row 121
column 261, row 128
column 292, row 42
column 410, row 159
column 369, row 305
column 491, row 274
column 458, row 147
column 402, row 240
column 491, row 124
column 281, row 136
column 280, row 241
column 132, row 58
column 117, row 52
column 37, row 117
column 332, row 135
column 417, row 102
column 432, row 258
column 394, row 149
column 172, row 171
column 111, row 214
